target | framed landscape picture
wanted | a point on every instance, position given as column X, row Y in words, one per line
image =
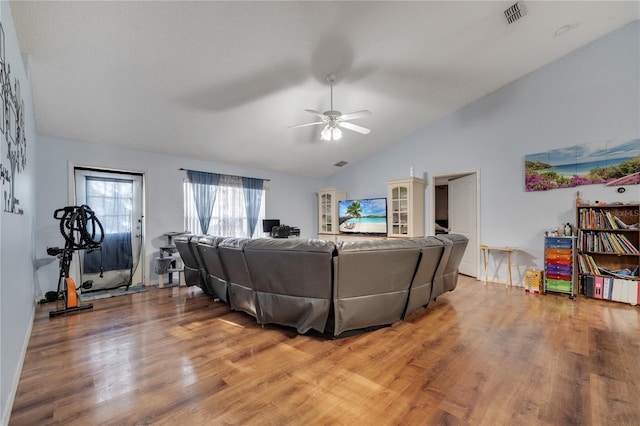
column 610, row 163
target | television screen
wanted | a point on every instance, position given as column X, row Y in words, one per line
column 268, row 224
column 364, row 216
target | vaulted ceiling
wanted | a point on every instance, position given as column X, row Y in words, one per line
column 221, row 81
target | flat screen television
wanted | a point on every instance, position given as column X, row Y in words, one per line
column 367, row 216
column 268, row 224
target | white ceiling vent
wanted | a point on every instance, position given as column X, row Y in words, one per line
column 514, row 13
column 341, row 163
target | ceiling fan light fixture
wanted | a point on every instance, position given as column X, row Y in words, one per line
column 325, row 134
column 331, row 133
column 337, row 133
column 333, row 120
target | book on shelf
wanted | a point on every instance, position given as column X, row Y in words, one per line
column 586, row 265
column 599, row 219
column 598, row 284
column 605, row 242
column 610, row 288
column 618, row 293
column 632, row 292
column 589, row 285
column 607, row 287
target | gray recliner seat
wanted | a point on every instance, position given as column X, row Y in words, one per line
column 371, row 282
column 204, row 279
column 458, row 244
column 292, row 279
column 438, row 278
column 192, row 271
column 242, row 294
column 431, row 252
column 217, row 281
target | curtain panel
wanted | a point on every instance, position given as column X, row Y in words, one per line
column 236, row 208
column 112, row 201
column 252, row 188
column 205, row 187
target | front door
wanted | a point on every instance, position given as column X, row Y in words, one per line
column 116, row 199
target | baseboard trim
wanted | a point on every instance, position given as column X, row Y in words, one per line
column 6, row 415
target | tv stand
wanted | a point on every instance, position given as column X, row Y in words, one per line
column 336, row 238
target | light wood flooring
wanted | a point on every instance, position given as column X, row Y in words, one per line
column 477, row 356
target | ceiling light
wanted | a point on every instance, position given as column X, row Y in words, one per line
column 337, row 133
column 325, row 134
column 331, row 132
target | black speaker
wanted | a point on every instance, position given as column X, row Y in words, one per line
column 281, row 231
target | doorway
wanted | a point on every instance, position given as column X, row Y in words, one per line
column 117, row 201
column 455, row 201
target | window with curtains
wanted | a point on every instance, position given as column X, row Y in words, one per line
column 229, row 215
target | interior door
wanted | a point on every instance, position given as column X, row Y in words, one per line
column 463, row 219
column 116, row 199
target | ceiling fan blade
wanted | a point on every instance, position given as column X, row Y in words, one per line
column 305, row 125
column 318, row 113
column 354, row 127
column 356, row 114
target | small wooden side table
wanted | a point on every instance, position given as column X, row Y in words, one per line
column 486, row 253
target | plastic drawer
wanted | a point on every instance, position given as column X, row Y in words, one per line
column 559, row 277
column 559, row 262
column 558, row 269
column 558, row 285
column 554, row 257
column 553, row 242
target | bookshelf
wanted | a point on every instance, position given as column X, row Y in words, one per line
column 608, row 255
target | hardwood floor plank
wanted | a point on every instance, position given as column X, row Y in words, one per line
column 480, row 355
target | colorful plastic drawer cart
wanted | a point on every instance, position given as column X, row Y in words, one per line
column 558, row 265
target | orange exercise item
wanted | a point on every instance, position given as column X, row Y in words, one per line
column 72, row 296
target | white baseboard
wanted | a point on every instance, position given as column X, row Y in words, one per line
column 16, row 379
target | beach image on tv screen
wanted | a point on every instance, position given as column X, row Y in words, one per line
column 366, row 216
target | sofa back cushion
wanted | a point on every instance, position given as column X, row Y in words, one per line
column 458, row 246
column 192, row 274
column 241, row 290
column 293, row 266
column 431, row 252
column 371, row 282
column 216, row 275
column 293, row 280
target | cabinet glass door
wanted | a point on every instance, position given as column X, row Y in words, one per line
column 325, row 207
column 399, row 210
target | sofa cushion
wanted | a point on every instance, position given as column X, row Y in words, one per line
column 217, row 280
column 371, row 282
column 430, row 255
column 450, row 271
column 292, row 279
column 242, row 295
column 191, row 267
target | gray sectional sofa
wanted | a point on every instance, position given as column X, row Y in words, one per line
column 319, row 285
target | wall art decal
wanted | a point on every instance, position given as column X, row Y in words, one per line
column 611, row 163
column 14, row 146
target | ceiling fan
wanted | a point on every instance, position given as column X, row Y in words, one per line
column 334, row 120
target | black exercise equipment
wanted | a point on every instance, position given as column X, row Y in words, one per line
column 81, row 230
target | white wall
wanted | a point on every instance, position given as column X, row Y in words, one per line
column 290, row 198
column 17, row 296
column 590, row 95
